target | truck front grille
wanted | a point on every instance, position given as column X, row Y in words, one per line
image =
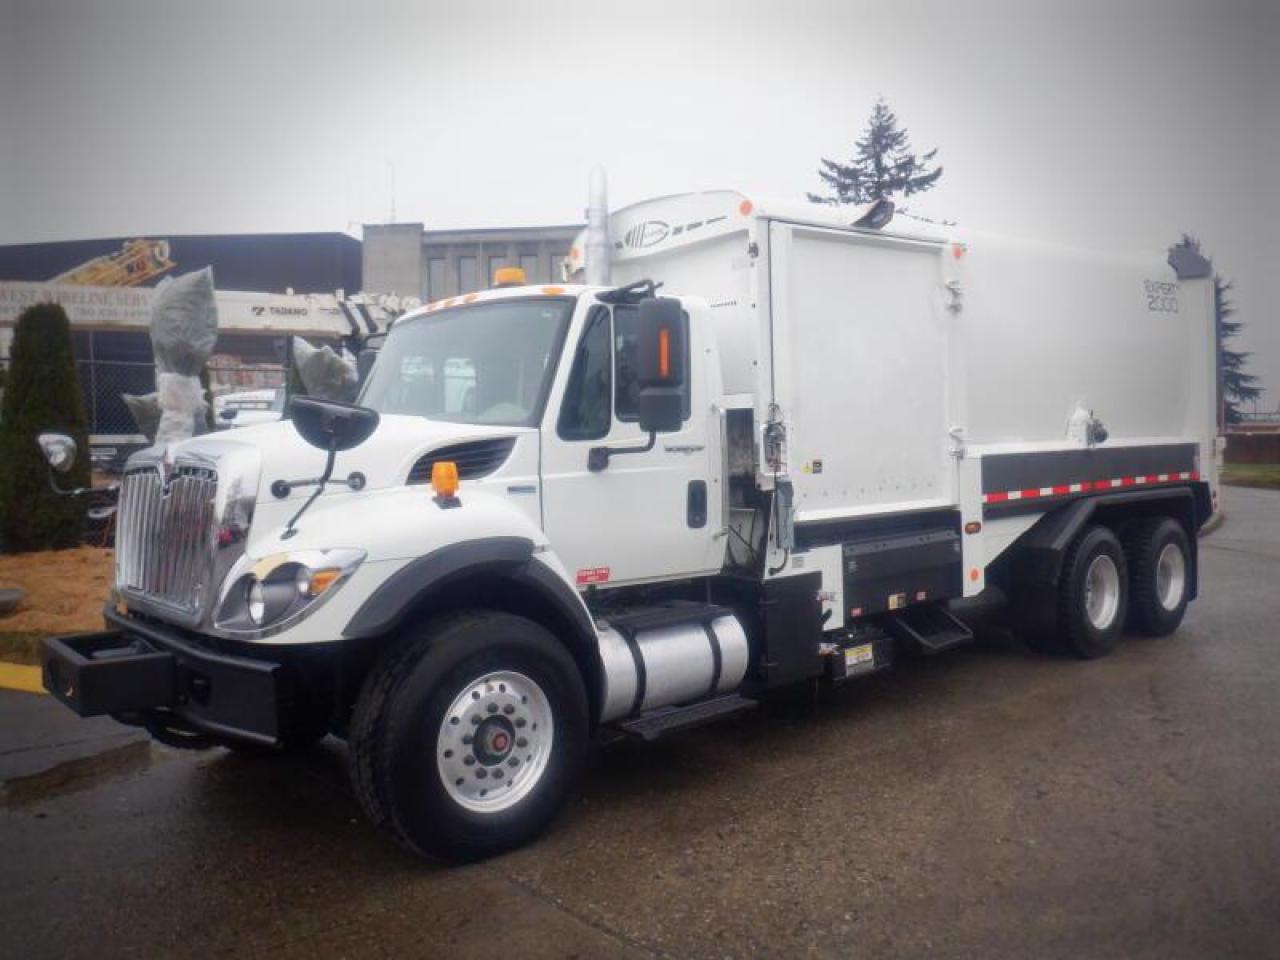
column 165, row 541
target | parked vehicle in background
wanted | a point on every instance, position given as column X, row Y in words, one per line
column 560, row 510
column 249, row 407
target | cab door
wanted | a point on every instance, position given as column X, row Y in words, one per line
column 648, row 514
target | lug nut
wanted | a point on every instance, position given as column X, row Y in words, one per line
column 468, row 739
column 520, row 721
column 513, row 762
column 481, row 773
column 469, row 760
column 508, row 709
column 498, row 774
column 521, row 742
column 475, row 721
column 492, row 708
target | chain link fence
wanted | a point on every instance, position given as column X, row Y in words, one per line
column 113, row 432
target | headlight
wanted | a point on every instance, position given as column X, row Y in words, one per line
column 265, row 596
column 256, row 604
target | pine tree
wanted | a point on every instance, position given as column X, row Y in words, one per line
column 42, row 393
column 883, row 165
column 1234, row 385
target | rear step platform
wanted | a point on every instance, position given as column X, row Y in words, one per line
column 930, row 627
column 665, row 720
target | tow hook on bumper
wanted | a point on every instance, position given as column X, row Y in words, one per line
column 142, row 670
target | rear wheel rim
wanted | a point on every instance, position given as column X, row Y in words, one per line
column 495, row 742
column 1171, row 576
column 1102, row 592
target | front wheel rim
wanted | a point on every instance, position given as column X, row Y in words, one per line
column 495, row 742
column 1171, row 576
column 1102, row 592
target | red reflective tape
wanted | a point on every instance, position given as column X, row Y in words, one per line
column 1060, row 490
column 1033, row 492
column 996, row 497
column 1127, row 481
column 593, row 575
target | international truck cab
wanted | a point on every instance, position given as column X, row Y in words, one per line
column 749, row 447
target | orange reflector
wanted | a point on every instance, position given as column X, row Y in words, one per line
column 973, row 574
column 552, row 291
column 664, row 353
column 322, row 580
column 973, row 526
column 444, row 478
column 509, row 277
column 745, row 208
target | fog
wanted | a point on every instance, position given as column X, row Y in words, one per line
column 1111, row 124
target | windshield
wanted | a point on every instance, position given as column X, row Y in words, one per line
column 487, row 363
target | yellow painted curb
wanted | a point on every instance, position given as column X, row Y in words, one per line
column 19, row 676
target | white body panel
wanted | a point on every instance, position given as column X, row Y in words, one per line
column 860, row 355
column 897, row 357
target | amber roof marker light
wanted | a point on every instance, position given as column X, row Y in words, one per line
column 509, row 277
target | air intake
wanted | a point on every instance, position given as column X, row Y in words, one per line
column 475, row 459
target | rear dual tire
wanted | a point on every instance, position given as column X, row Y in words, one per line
column 1159, row 555
column 1093, row 596
column 1106, row 584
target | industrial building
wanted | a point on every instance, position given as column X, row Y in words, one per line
column 405, row 260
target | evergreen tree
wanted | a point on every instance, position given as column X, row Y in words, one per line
column 883, row 165
column 1234, row 385
column 42, row 393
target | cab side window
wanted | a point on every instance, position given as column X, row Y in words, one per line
column 627, row 390
column 586, row 413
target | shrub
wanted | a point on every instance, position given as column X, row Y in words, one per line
column 42, row 393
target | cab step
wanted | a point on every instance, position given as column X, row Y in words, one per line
column 665, row 720
column 929, row 627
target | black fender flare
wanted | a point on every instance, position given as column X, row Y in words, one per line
column 509, row 558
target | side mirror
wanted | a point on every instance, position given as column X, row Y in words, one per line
column 59, row 450
column 660, row 365
column 331, row 425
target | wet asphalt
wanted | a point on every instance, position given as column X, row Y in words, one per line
column 989, row 802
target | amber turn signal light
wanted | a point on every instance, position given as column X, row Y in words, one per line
column 444, row 478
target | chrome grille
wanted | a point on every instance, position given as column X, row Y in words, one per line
column 165, row 541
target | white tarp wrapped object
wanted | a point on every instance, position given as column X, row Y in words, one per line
column 145, row 410
column 184, row 329
column 324, row 373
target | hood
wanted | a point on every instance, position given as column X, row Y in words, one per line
column 385, row 458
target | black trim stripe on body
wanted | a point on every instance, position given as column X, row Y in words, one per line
column 1044, row 475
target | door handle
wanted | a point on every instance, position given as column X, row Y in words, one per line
column 696, row 504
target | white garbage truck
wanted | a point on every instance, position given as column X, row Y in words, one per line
column 742, row 447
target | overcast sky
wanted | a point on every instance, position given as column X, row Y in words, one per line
column 1115, row 124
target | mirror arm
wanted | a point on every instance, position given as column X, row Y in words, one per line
column 78, row 491
column 330, row 459
column 598, row 457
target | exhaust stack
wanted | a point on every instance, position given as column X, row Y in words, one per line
column 596, row 249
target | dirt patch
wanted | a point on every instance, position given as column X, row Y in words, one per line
column 65, row 589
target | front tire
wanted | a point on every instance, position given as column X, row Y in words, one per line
column 468, row 734
column 1159, row 556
